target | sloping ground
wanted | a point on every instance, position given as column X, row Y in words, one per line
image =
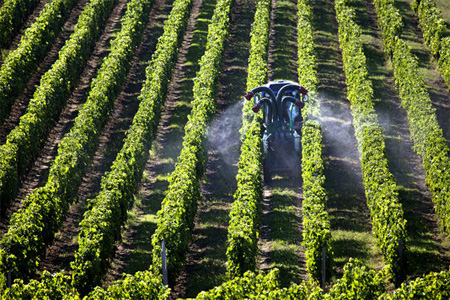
column 438, row 90
column 21, row 103
column 444, row 6
column 18, row 33
column 205, row 267
column 134, row 252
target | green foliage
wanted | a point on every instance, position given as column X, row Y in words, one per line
column 390, row 22
column 242, row 240
column 387, row 218
column 176, row 217
column 431, row 22
column 425, row 131
column 21, row 63
column 426, row 134
column 47, row 205
column 50, row 286
column 444, row 60
column 316, row 224
column 432, row 286
column 101, row 225
column 142, row 285
column 261, row 286
column 13, row 13
column 358, row 282
column 435, row 34
column 250, row 285
column 23, row 142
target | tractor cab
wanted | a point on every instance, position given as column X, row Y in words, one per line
column 281, row 103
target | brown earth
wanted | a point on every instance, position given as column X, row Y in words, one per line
column 18, row 32
column 134, row 251
column 39, row 170
column 20, row 104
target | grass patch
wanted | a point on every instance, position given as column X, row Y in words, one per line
column 444, row 6
column 206, row 267
column 285, row 223
column 285, row 42
column 360, row 245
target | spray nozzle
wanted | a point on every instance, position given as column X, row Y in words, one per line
column 256, row 108
column 299, row 104
column 303, row 91
column 249, row 95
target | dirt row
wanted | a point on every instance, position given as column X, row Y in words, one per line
column 20, row 104
column 428, row 245
column 61, row 253
column 134, row 251
column 350, row 220
column 18, row 32
column 38, row 172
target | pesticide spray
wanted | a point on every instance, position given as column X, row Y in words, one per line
column 338, row 128
column 223, row 133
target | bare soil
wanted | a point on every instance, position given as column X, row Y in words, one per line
column 205, row 266
column 38, row 172
column 438, row 90
column 20, row 105
column 18, row 32
column 428, row 247
column 280, row 234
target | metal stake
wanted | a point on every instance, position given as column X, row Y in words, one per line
column 164, row 263
column 324, row 267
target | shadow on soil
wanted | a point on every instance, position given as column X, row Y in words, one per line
column 284, row 54
column 349, row 215
column 206, row 260
column 426, row 247
column 164, row 153
column 284, row 220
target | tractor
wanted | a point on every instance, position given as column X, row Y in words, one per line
column 281, row 103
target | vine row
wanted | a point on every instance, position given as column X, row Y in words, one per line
column 23, row 142
column 357, row 281
column 37, row 40
column 426, row 133
column 178, row 209
column 435, row 34
column 141, row 285
column 316, row 224
column 34, row 225
column 245, row 214
column 101, row 224
column 388, row 223
column 13, row 13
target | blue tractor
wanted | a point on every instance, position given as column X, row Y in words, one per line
column 281, row 103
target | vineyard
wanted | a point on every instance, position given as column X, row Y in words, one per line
column 131, row 166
